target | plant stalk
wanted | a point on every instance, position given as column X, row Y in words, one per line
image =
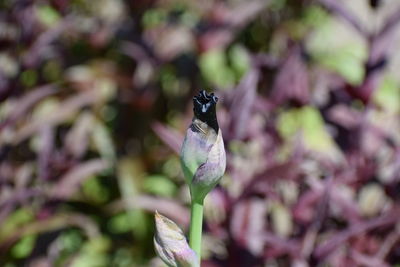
column 196, row 227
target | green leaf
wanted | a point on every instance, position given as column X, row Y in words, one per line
column 123, row 258
column 388, row 96
column 102, row 140
column 130, row 177
column 159, row 185
column 97, row 245
column 47, row 15
column 24, row 247
column 240, row 60
column 71, row 240
column 14, row 221
column 346, row 61
column 29, row 78
column 315, row 16
column 215, row 69
column 339, row 48
column 119, row 223
column 95, row 191
column 153, row 17
column 307, row 121
column 94, row 253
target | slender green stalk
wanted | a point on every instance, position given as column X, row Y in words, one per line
column 196, row 227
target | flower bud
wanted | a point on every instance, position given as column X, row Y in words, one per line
column 203, row 154
column 171, row 245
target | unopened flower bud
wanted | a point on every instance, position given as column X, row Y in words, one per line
column 203, row 154
column 171, row 245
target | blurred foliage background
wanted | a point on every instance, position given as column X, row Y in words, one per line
column 96, row 97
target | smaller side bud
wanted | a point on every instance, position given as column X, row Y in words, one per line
column 171, row 245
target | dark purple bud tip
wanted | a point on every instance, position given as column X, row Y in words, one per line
column 204, row 109
column 375, row 3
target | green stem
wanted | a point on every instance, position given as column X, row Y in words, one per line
column 196, row 227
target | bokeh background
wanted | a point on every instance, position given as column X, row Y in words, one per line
column 96, row 98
